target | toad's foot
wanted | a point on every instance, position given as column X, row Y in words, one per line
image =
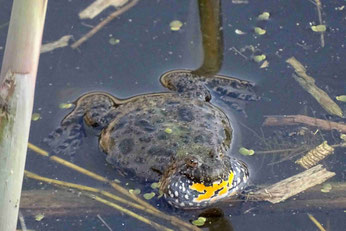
column 234, row 92
column 93, row 109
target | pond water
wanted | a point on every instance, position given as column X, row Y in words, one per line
column 147, row 48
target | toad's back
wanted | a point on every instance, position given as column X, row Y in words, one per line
column 151, row 130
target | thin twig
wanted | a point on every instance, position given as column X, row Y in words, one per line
column 103, row 23
column 148, row 207
column 279, row 150
column 316, row 222
column 319, row 7
column 22, row 221
column 104, row 222
column 97, row 198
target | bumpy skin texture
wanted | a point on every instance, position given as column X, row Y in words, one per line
column 178, row 138
column 152, row 130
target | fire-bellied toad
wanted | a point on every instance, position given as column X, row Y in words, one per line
column 178, row 138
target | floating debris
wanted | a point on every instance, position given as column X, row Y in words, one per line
column 315, row 155
column 264, row 16
column 326, row 188
column 246, row 152
column 340, row 7
column 259, row 58
column 341, row 98
column 148, row 196
column 65, row 105
column 175, row 25
column 319, row 28
column 113, row 41
column 259, row 31
column 264, row 64
column 239, row 32
column 98, row 6
column 35, row 116
column 293, row 185
column 62, row 42
column 308, row 83
column 200, row 221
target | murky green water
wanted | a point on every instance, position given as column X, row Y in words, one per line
column 146, row 49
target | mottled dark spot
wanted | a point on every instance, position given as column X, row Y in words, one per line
column 162, row 135
column 185, row 138
column 171, row 102
column 145, row 139
column 151, row 111
column 159, row 121
column 209, row 116
column 160, row 151
column 185, row 114
column 145, row 125
column 199, row 139
column 126, row 145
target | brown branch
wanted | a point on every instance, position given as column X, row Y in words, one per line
column 103, row 23
column 283, row 120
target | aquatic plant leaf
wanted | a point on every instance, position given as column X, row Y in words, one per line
column 168, row 130
column 343, row 137
column 135, row 191
column 35, row 116
column 65, row 105
column 326, row 188
column 259, row 31
column 113, row 41
column 246, row 152
column 148, row 196
column 175, row 25
column 341, row 98
column 200, row 221
column 259, row 58
column 237, row 31
column 264, row 16
column 39, row 217
column 319, row 28
column 155, row 185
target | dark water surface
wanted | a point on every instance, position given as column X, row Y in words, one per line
column 149, row 48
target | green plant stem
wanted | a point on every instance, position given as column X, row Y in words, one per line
column 17, row 85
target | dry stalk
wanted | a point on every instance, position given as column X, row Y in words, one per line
column 293, row 185
column 283, row 120
column 315, row 155
column 146, row 206
column 308, row 84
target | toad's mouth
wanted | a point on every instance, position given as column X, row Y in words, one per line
column 182, row 192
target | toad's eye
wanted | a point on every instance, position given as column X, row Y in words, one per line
column 191, row 162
